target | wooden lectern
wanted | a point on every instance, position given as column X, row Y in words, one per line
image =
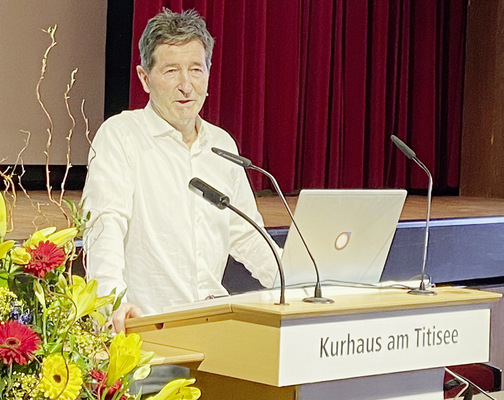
column 369, row 344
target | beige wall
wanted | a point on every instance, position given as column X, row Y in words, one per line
column 81, row 43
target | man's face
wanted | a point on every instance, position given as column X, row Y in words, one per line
column 177, row 83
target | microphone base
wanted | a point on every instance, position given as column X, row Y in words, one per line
column 422, row 292
column 318, row 300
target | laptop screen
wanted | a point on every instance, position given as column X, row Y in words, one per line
column 348, row 232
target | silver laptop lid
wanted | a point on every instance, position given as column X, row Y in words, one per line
column 349, row 233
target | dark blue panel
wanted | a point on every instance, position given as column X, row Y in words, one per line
column 459, row 250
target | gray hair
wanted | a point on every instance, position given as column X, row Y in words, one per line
column 173, row 28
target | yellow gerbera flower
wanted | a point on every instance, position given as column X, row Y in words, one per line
column 60, row 380
column 124, row 356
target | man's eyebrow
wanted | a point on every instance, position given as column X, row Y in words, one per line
column 167, row 65
column 177, row 65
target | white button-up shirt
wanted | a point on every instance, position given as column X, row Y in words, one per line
column 152, row 235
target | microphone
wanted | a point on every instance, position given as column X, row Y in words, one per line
column 469, row 386
column 241, row 161
column 221, row 201
column 423, row 288
column 210, row 194
column 403, row 147
column 246, row 163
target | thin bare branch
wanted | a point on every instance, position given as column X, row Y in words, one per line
column 50, row 130
column 13, row 175
column 19, row 159
column 68, row 138
column 87, row 131
column 19, row 162
column 9, row 190
column 51, row 31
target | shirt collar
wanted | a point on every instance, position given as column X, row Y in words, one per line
column 159, row 127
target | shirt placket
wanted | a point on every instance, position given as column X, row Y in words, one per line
column 200, row 241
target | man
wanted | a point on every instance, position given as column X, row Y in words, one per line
column 149, row 233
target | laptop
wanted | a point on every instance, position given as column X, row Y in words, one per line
column 349, row 233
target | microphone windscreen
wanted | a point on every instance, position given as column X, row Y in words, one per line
column 408, row 152
column 241, row 161
column 209, row 193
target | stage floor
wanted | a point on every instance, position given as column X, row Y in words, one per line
column 415, row 208
column 38, row 211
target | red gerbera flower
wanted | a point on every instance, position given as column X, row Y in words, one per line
column 17, row 343
column 101, row 377
column 44, row 258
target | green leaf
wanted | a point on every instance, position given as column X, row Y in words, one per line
column 118, row 300
column 39, row 293
column 52, row 348
column 99, row 318
column 146, row 357
column 4, row 279
column 80, row 360
column 71, row 205
column 62, row 283
column 142, row 372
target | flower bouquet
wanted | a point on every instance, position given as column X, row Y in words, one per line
column 54, row 338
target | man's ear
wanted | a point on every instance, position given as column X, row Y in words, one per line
column 144, row 78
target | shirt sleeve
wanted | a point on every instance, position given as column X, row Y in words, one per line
column 247, row 245
column 107, row 195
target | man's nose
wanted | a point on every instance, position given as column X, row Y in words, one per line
column 185, row 83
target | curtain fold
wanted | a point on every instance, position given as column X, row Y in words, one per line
column 312, row 89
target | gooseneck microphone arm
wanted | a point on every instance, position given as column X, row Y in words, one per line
column 247, row 164
column 318, row 287
column 408, row 152
column 427, row 220
column 272, row 247
column 221, row 201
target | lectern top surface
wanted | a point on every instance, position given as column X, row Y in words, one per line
column 264, row 310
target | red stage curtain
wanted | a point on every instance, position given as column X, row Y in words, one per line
column 312, row 89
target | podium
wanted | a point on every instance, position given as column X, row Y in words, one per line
column 370, row 344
